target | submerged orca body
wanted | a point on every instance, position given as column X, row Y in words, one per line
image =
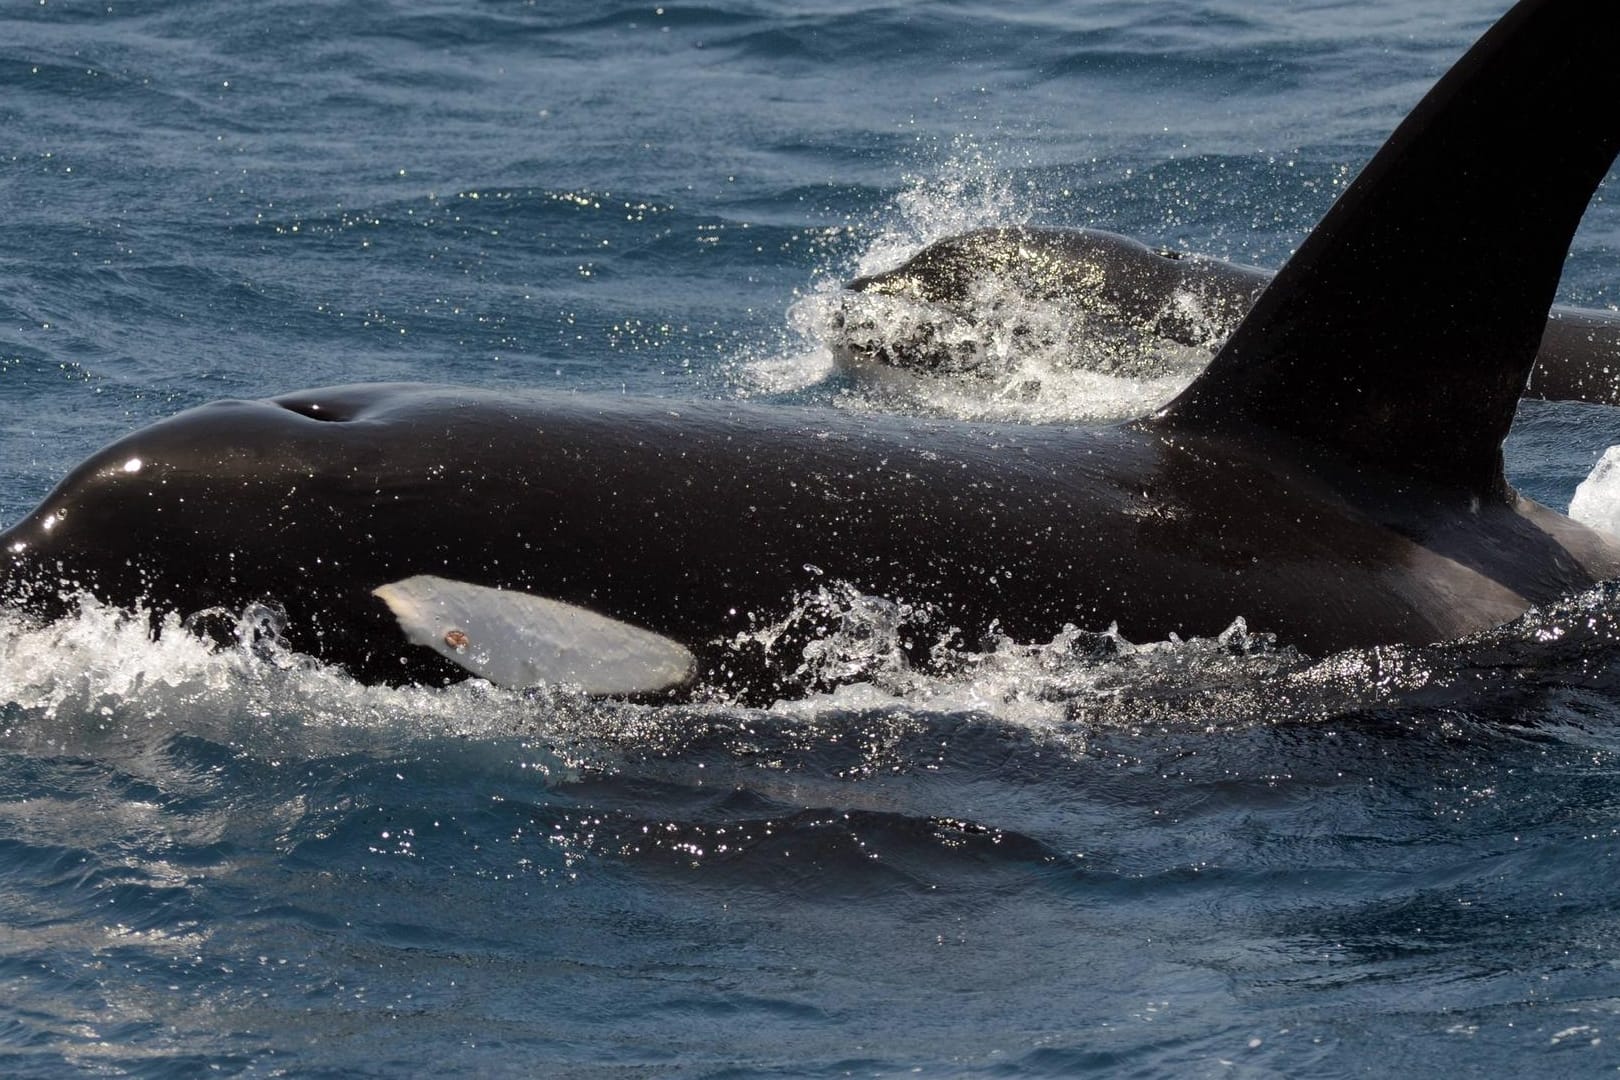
column 1130, row 294
column 1334, row 476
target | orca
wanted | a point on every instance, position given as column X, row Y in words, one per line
column 1334, row 476
column 932, row 316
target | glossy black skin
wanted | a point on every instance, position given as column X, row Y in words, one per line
column 698, row 520
column 1579, row 358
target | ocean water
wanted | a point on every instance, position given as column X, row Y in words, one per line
column 1079, row 857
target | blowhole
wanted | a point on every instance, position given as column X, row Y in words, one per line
column 314, row 410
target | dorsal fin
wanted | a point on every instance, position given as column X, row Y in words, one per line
column 1402, row 331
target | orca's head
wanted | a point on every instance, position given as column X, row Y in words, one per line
column 179, row 515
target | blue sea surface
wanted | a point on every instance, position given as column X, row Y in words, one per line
column 1084, row 857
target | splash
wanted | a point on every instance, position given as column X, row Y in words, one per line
column 1006, row 354
column 1010, row 347
column 834, row 634
column 968, row 191
column 1596, row 502
column 105, row 677
column 964, row 192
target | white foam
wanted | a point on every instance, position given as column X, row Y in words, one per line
column 102, row 678
column 1596, row 502
column 104, row 675
column 852, row 651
